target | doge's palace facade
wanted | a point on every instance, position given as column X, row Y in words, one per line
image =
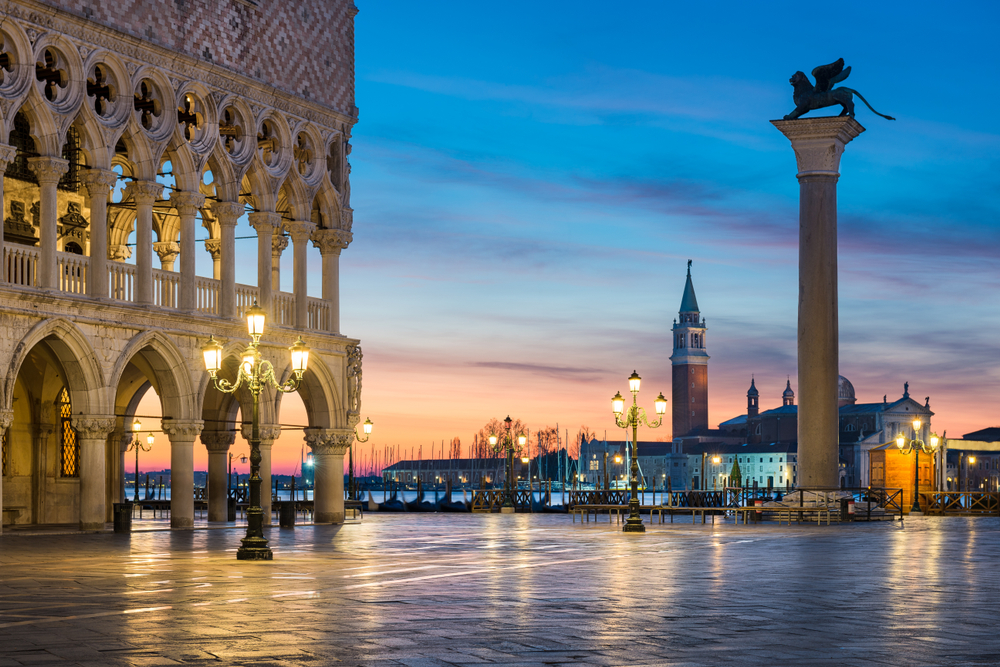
column 133, row 136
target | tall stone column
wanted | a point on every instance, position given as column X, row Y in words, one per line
column 217, row 443
column 330, row 242
column 98, row 183
column 278, row 244
column 300, row 231
column 144, row 194
column 48, row 170
column 328, row 447
column 6, row 419
column 227, row 213
column 92, row 432
column 818, row 144
column 187, row 205
column 268, row 434
column 265, row 223
column 7, row 154
column 182, row 435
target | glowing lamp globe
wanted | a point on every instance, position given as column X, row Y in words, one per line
column 900, row 441
column 249, row 357
column 916, row 424
column 633, row 382
column 136, row 426
column 934, row 442
column 522, row 440
column 493, row 440
column 368, row 426
column 255, row 321
column 525, row 459
column 150, row 439
column 661, row 404
column 618, row 403
column 212, row 352
column 300, row 357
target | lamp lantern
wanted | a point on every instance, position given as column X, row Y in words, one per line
column 300, row 357
column 493, row 440
column 916, row 425
column 618, row 403
column 522, row 440
column 243, row 459
column 618, row 458
column 525, row 459
column 249, row 358
column 633, row 382
column 212, row 352
column 368, row 426
column 661, row 404
column 150, row 439
column 255, row 321
column 934, row 441
column 716, row 460
column 136, row 426
column 900, row 441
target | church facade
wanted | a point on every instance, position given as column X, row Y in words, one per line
column 132, row 143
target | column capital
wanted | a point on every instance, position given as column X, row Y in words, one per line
column 819, row 142
column 264, row 221
column 214, row 247
column 182, row 430
column 167, row 250
column 227, row 212
column 94, row 427
column 329, row 440
column 218, row 441
column 6, row 419
column 7, row 154
column 187, row 203
column 278, row 244
column 98, row 181
column 48, row 169
column 331, row 241
column 300, row 230
column 268, row 432
column 144, row 192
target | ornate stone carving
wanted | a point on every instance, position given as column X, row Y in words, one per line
column 98, row 181
column 278, row 244
column 214, row 248
column 218, row 441
column 6, row 419
column 300, row 230
column 819, row 142
column 264, row 221
column 331, row 240
column 94, row 427
column 7, row 154
column 354, row 356
column 119, row 253
column 329, row 440
column 268, row 432
column 227, row 212
column 187, row 203
column 143, row 192
column 48, row 169
column 16, row 227
column 182, row 430
column 167, row 251
column 73, row 225
column 346, row 218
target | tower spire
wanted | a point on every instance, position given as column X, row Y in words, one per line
column 690, row 365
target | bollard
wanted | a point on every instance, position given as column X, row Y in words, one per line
column 286, row 515
column 122, row 513
column 758, row 516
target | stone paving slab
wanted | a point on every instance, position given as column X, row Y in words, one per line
column 451, row 590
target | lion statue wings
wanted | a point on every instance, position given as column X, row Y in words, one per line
column 808, row 97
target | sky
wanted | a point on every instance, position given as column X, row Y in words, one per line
column 530, row 179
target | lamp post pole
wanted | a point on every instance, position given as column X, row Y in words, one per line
column 635, row 415
column 496, row 446
column 915, row 445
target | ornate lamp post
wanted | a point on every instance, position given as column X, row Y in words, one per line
column 916, row 445
column 256, row 373
column 498, row 445
column 137, row 445
column 350, row 467
column 634, row 416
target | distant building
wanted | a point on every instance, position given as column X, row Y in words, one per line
column 689, row 366
column 657, row 460
column 459, row 471
column 973, row 463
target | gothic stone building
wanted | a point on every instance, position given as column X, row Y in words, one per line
column 149, row 133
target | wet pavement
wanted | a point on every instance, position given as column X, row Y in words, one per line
column 440, row 589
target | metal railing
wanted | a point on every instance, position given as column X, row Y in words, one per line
column 961, row 502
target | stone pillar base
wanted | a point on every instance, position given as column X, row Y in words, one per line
column 328, row 517
column 507, row 510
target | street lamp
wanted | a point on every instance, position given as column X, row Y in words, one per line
column 497, row 445
column 916, row 445
column 633, row 418
column 256, row 373
column 716, row 460
column 137, row 445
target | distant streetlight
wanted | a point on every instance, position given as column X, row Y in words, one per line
column 916, row 445
column 506, row 441
column 137, row 445
column 635, row 415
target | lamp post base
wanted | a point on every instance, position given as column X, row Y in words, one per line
column 634, row 525
column 254, row 548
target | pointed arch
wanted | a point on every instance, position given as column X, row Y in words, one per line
column 319, row 392
column 172, row 380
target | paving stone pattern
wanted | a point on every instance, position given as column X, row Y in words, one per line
column 431, row 590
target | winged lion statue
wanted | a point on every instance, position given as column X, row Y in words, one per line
column 808, row 97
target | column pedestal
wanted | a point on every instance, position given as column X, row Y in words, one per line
column 182, row 436
column 818, row 144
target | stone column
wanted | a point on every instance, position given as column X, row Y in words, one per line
column 227, row 213
column 98, row 183
column 268, row 434
column 92, row 432
column 167, row 251
column 48, row 170
column 330, row 242
column 7, row 154
column 217, row 443
column 328, row 447
column 143, row 193
column 265, row 223
column 818, row 144
column 214, row 248
column 300, row 231
column 187, row 205
column 6, row 418
column 278, row 245
column 182, row 435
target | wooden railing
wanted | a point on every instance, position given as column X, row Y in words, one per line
column 491, row 500
column 961, row 502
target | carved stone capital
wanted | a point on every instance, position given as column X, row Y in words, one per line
column 268, row 432
column 6, row 419
column 144, row 192
column 94, row 427
column 329, row 440
column 7, row 154
column 264, row 222
column 167, row 251
column 227, row 212
column 300, row 230
column 278, row 244
column 819, row 142
column 98, row 181
column 119, row 253
column 182, row 430
column 331, row 241
column 218, row 441
column 187, row 203
column 214, row 247
column 48, row 169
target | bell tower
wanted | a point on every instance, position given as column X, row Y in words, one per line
column 690, row 366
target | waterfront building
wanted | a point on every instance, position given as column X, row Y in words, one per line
column 973, row 462
column 472, row 472
column 689, row 366
column 661, row 462
column 151, row 133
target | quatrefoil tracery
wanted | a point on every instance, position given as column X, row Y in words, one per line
column 189, row 117
column 102, row 91
column 51, row 75
column 147, row 105
column 230, row 130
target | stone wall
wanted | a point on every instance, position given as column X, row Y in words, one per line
column 303, row 47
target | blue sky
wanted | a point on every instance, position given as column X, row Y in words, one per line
column 529, row 180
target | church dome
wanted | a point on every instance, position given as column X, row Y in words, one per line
column 788, row 393
column 845, row 391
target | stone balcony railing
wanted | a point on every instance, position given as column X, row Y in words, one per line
column 20, row 263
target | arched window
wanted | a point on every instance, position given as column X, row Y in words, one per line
column 69, row 450
column 849, row 428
